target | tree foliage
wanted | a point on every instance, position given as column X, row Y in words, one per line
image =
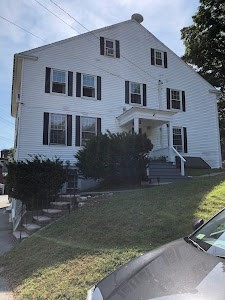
column 115, row 157
column 35, row 182
column 204, row 44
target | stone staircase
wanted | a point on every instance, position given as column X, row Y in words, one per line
column 33, row 222
column 163, row 172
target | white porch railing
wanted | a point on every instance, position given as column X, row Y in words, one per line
column 169, row 155
column 182, row 160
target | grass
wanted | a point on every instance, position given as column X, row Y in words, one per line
column 62, row 261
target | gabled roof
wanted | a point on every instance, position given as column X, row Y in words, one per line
column 30, row 54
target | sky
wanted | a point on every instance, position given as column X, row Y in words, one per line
column 163, row 18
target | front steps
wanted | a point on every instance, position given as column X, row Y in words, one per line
column 43, row 218
column 163, row 172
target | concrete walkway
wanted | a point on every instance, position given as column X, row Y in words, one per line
column 6, row 243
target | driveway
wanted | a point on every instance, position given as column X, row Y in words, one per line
column 6, row 243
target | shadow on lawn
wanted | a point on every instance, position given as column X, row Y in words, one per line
column 127, row 223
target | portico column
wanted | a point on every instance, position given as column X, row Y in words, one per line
column 136, row 125
column 170, row 141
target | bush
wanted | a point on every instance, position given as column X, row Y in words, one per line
column 115, row 157
column 35, row 181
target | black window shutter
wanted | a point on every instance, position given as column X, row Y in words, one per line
column 78, row 85
column 77, row 131
column 70, row 83
column 99, row 130
column 185, row 139
column 102, row 45
column 45, row 128
column 117, row 49
column 47, row 80
column 144, row 95
column 127, row 92
column 152, row 56
column 165, row 59
column 183, row 101
column 99, row 87
column 168, row 98
column 69, row 130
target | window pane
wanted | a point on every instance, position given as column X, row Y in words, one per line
column 109, row 44
column 158, row 58
column 89, row 81
column 59, row 88
column 135, row 98
column 135, row 88
column 175, row 104
column 88, row 92
column 59, row 76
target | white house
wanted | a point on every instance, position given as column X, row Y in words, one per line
column 117, row 78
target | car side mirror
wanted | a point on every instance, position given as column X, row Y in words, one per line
column 197, row 223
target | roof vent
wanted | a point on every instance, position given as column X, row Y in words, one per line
column 137, row 17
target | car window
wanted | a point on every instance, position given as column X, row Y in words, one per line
column 211, row 237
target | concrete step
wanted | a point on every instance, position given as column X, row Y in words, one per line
column 31, row 228
column 166, row 179
column 42, row 220
column 60, row 205
column 20, row 235
column 164, row 172
column 53, row 212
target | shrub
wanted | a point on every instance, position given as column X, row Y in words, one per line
column 115, row 157
column 35, row 181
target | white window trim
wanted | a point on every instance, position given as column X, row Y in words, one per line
column 95, row 79
column 49, row 130
column 141, row 93
column 162, row 53
column 182, row 138
column 81, row 127
column 180, row 95
column 51, row 81
column 114, row 47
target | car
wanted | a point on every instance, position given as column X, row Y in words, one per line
column 189, row 268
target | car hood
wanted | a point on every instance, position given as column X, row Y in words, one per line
column 175, row 271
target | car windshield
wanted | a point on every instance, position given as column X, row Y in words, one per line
column 211, row 237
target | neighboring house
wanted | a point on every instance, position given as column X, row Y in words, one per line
column 118, row 78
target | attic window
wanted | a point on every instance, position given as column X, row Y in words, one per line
column 158, row 58
column 109, row 47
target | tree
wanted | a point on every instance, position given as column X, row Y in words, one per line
column 115, row 157
column 35, row 182
column 205, row 48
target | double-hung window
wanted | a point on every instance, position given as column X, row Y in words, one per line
column 158, row 58
column 135, row 93
column 88, row 129
column 109, row 47
column 178, row 139
column 89, row 86
column 175, row 99
column 57, row 126
column 58, row 81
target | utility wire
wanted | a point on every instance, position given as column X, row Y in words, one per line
column 22, row 28
column 57, row 16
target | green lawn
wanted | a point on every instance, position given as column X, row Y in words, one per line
column 67, row 258
column 199, row 172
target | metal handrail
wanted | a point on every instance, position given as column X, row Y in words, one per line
column 182, row 160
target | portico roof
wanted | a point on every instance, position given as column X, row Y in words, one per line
column 155, row 116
